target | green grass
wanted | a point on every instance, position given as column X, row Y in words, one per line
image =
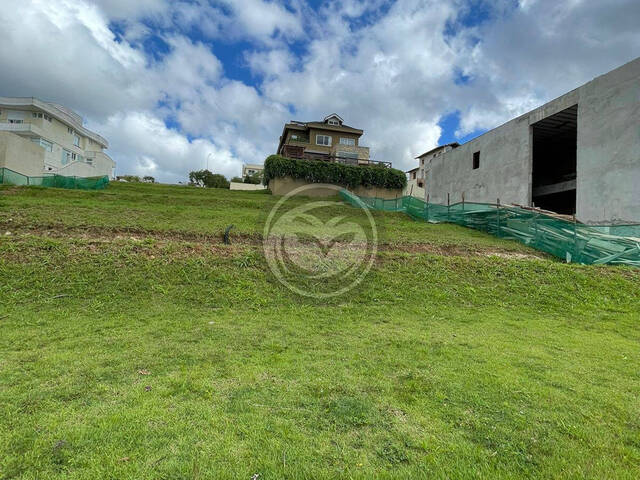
column 461, row 365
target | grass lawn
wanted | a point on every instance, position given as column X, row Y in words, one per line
column 135, row 344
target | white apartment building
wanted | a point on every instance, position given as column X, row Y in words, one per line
column 40, row 138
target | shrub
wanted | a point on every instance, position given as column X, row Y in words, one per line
column 314, row 171
column 205, row 178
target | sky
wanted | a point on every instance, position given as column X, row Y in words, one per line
column 174, row 85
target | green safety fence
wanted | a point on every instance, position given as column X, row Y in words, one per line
column 9, row 177
column 571, row 241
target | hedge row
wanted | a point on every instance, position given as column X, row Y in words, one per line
column 316, row 171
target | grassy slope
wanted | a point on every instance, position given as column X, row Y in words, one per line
column 438, row 366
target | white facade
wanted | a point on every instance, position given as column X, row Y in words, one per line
column 65, row 147
column 251, row 168
column 416, row 176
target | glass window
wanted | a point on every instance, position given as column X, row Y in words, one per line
column 348, row 141
column 323, row 140
column 66, row 156
column 348, row 154
column 76, row 140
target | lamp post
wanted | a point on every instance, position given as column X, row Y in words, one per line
column 208, row 160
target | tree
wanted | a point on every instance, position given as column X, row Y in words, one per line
column 237, row 179
column 205, row 178
column 149, row 179
column 254, row 178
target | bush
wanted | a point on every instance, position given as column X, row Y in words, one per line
column 205, row 178
column 314, row 171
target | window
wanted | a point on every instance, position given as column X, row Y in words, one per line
column 66, row 156
column 476, row 160
column 348, row 155
column 15, row 116
column 36, row 115
column 47, row 117
column 348, row 141
column 48, row 146
column 70, row 130
column 323, row 140
column 333, row 122
column 76, row 140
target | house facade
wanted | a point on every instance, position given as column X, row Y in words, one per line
column 328, row 140
column 415, row 177
column 578, row 154
column 39, row 138
column 249, row 169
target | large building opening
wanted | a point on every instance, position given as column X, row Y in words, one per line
column 555, row 143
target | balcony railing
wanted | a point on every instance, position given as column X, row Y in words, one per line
column 345, row 160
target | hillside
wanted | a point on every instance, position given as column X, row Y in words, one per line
column 135, row 344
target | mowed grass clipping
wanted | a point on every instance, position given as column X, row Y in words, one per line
column 139, row 346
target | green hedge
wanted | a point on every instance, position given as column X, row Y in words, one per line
column 315, row 171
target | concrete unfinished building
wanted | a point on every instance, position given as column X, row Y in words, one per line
column 578, row 154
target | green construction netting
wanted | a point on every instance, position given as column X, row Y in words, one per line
column 571, row 241
column 9, row 177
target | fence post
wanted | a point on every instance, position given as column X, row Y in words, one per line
column 396, row 201
column 535, row 226
column 448, row 208
column 462, row 201
column 575, row 239
column 427, row 206
column 498, row 210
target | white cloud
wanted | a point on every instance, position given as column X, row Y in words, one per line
column 144, row 145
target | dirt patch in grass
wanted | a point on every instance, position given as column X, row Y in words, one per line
column 32, row 239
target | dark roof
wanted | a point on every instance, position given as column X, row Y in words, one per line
column 412, row 170
column 453, row 144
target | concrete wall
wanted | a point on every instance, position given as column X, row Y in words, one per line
column 246, row 186
column 608, row 180
column 412, row 189
column 504, row 168
column 21, row 155
column 608, row 154
column 282, row 186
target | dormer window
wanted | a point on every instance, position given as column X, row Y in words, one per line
column 333, row 119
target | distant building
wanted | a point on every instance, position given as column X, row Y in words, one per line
column 39, row 138
column 249, row 169
column 578, row 154
column 328, row 140
column 415, row 176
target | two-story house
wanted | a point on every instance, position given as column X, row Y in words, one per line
column 329, row 140
column 40, row 138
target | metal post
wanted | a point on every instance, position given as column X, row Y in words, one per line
column 575, row 239
column 427, row 207
column 462, row 200
column 498, row 210
column 448, row 208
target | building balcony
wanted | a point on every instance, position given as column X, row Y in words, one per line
column 23, row 129
column 300, row 153
column 98, row 157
